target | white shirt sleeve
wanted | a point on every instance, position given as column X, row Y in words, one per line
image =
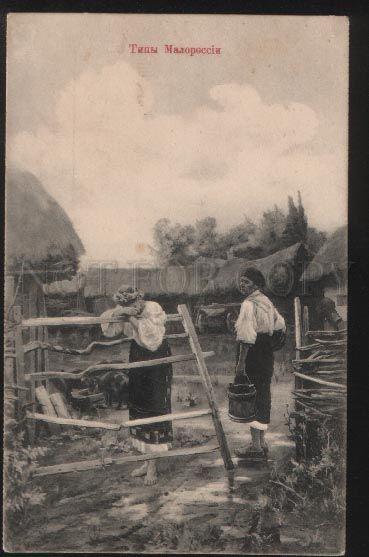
column 246, row 323
column 279, row 323
column 151, row 326
column 111, row 330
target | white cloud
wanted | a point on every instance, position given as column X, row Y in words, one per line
column 117, row 167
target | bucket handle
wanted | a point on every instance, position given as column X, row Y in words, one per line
column 247, row 377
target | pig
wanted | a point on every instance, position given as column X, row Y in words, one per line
column 114, row 384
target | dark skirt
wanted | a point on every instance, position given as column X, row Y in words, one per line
column 150, row 394
column 259, row 368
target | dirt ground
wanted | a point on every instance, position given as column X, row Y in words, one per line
column 195, row 506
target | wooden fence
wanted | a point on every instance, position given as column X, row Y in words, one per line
column 32, row 384
column 320, row 379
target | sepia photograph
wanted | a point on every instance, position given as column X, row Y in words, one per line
column 175, row 315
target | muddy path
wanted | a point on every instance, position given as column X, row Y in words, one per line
column 194, row 507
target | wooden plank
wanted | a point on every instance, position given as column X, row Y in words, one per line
column 60, row 407
column 117, row 366
column 317, row 361
column 20, row 375
column 195, row 345
column 168, row 417
column 319, row 381
column 81, row 321
column 82, row 466
column 327, row 333
column 332, row 343
column 53, row 419
column 34, row 345
column 32, row 359
column 305, row 324
column 298, row 335
column 45, row 352
column 8, row 291
column 9, row 367
column 312, row 409
column 308, row 347
column 15, row 387
column 298, row 326
column 39, row 367
column 320, row 391
column 43, row 398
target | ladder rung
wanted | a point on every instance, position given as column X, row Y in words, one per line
column 99, row 463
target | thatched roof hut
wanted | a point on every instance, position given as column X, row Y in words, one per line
column 38, row 231
column 330, row 263
column 326, row 275
column 281, row 270
column 40, row 242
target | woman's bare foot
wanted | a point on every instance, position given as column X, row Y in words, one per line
column 141, row 471
column 151, row 475
column 263, row 443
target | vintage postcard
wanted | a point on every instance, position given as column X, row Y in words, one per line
column 175, row 284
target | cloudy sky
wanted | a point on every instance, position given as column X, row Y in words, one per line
column 121, row 140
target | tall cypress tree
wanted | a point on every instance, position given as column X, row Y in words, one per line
column 302, row 220
column 296, row 223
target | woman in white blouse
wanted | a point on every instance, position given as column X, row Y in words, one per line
column 256, row 323
column 149, row 387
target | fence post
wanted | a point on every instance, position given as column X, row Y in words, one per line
column 305, row 319
column 298, row 336
column 19, row 353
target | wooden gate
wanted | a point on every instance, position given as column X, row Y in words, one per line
column 27, row 381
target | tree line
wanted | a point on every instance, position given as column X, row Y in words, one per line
column 177, row 244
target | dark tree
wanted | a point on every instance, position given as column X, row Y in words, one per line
column 315, row 239
column 296, row 223
column 206, row 237
column 173, row 243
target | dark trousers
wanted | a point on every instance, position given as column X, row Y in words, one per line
column 259, row 367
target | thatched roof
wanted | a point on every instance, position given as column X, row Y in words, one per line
column 279, row 269
column 38, row 231
column 242, row 249
column 331, row 259
column 214, row 261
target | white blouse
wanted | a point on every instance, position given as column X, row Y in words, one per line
column 257, row 315
column 151, row 326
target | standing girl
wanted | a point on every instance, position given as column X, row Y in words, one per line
column 149, row 387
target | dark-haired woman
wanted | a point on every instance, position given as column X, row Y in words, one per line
column 256, row 323
column 149, row 387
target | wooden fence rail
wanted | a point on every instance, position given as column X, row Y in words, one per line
column 81, row 321
column 60, row 418
column 36, row 344
column 121, row 366
column 116, row 427
column 107, row 461
column 319, row 381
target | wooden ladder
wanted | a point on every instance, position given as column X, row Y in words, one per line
column 197, row 355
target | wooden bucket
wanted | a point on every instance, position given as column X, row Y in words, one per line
column 241, row 399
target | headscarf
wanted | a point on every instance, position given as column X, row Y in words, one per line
column 126, row 295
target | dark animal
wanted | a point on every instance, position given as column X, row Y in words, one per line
column 114, row 385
